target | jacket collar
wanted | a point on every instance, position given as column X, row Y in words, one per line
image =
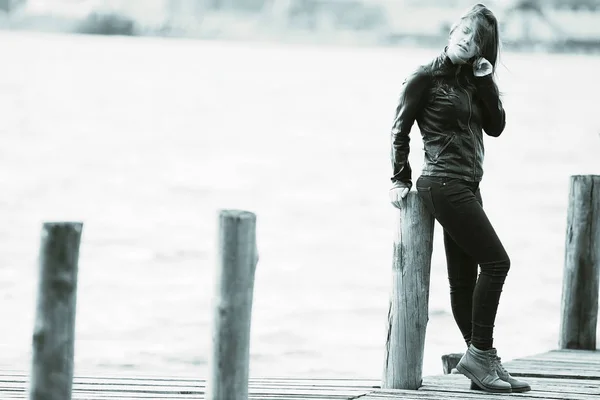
column 445, row 59
column 447, row 65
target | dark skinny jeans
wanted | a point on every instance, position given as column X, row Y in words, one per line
column 469, row 240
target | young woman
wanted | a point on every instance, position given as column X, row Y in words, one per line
column 454, row 99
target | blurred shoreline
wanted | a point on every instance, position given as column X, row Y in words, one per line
column 321, row 22
column 345, row 23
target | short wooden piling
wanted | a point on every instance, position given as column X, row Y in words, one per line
column 409, row 301
column 449, row 362
column 579, row 307
column 229, row 364
column 54, row 329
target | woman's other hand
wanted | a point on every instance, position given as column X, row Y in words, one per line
column 397, row 193
column 482, row 67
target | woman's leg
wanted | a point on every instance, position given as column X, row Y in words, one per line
column 462, row 276
column 456, row 206
column 469, row 240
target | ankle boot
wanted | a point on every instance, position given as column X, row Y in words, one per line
column 516, row 385
column 480, row 367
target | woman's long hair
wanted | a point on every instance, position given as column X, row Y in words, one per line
column 487, row 32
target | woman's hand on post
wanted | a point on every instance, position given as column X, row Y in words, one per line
column 482, row 67
column 398, row 193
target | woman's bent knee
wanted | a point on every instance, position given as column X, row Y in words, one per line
column 496, row 267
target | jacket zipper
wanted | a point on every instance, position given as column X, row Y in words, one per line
column 473, row 135
column 469, row 123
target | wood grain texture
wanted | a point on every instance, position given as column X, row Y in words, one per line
column 441, row 387
column 579, row 305
column 449, row 361
column 238, row 256
column 54, row 328
column 409, row 301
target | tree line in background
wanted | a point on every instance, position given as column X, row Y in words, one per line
column 386, row 19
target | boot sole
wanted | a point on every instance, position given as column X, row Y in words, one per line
column 472, row 377
column 475, row 386
column 521, row 389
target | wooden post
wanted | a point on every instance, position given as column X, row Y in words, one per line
column 228, row 376
column 449, row 362
column 579, row 307
column 409, row 302
column 54, row 329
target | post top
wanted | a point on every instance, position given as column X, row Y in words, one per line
column 63, row 224
column 237, row 214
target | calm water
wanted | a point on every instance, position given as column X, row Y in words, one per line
column 144, row 140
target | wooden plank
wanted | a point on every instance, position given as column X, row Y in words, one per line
column 553, row 371
column 252, row 396
column 559, row 355
column 332, row 394
column 547, row 387
column 259, row 382
column 186, row 386
column 584, row 365
column 551, row 384
column 471, row 395
column 265, row 389
column 536, row 365
column 570, row 375
column 90, row 377
column 580, row 364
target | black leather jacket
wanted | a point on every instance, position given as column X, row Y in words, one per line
column 452, row 107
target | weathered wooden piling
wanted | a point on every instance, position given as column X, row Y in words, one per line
column 449, row 362
column 409, row 300
column 579, row 306
column 229, row 364
column 54, row 329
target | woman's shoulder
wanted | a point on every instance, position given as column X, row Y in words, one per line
column 428, row 70
column 419, row 76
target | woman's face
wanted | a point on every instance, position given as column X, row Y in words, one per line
column 462, row 40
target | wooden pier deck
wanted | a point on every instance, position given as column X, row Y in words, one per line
column 559, row 374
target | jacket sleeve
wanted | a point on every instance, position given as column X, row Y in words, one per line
column 494, row 117
column 411, row 101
